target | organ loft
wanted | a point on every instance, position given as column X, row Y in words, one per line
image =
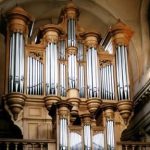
column 68, row 88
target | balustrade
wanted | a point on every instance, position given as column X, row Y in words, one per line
column 130, row 145
column 25, row 144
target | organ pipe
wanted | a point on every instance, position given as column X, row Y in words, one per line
column 110, row 135
column 81, row 81
column 63, row 134
column 87, row 137
column 72, row 69
column 80, row 52
column 62, row 79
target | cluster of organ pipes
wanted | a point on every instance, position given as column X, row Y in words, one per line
column 34, row 76
column 81, row 69
column 99, row 83
column 63, row 141
column 107, row 81
column 16, row 67
column 62, row 67
column 92, row 72
column 51, row 69
column 122, row 72
column 110, row 135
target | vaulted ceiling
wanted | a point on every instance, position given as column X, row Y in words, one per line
column 99, row 15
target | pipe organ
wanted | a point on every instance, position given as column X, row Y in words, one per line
column 81, row 78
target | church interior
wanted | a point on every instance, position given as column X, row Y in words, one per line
column 74, row 75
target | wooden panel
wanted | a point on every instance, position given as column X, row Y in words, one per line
column 33, row 130
column 34, row 112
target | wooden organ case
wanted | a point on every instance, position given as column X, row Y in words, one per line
column 69, row 85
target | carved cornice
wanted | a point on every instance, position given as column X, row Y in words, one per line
column 51, row 32
column 121, row 33
column 71, row 10
column 91, row 39
column 18, row 19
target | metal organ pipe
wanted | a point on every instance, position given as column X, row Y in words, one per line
column 72, row 69
column 127, row 73
column 87, row 137
column 120, row 71
column 21, row 49
column 110, row 135
column 63, row 134
column 117, row 69
column 80, row 57
column 124, row 73
column 81, row 80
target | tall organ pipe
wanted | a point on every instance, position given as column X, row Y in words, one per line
column 72, row 69
column 127, row 73
column 87, row 137
column 81, row 81
column 110, row 135
column 63, row 134
column 16, row 66
column 62, row 79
